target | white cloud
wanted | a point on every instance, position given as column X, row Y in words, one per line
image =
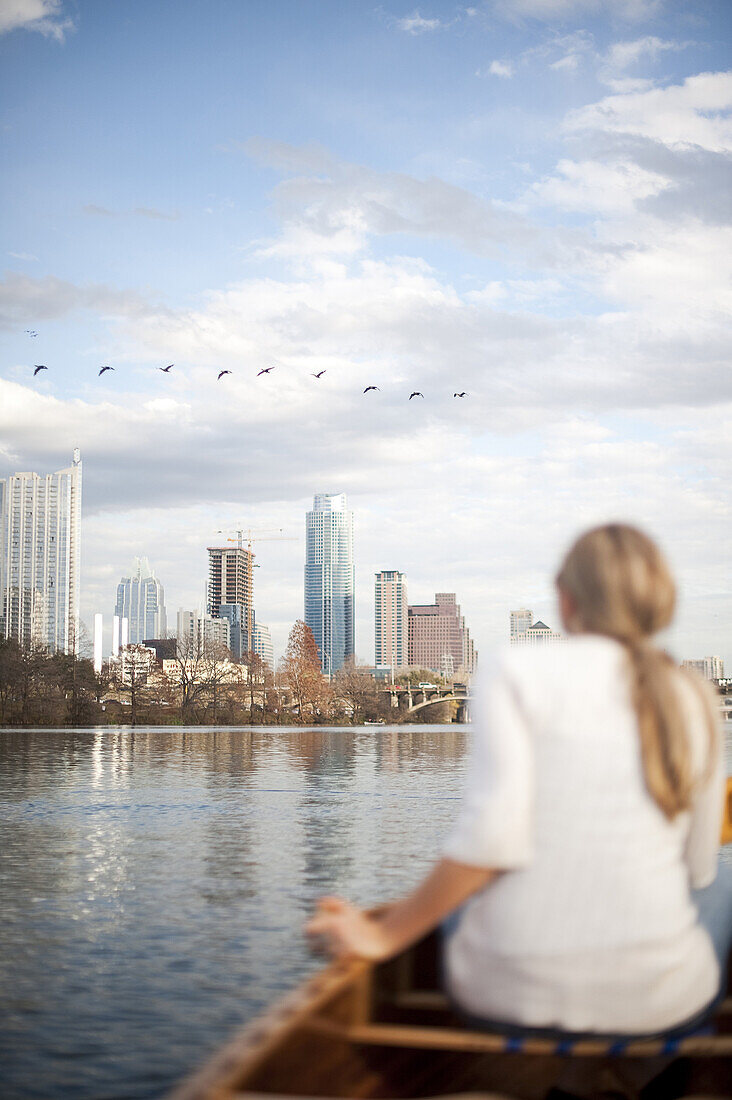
column 623, row 54
column 568, row 63
column 501, row 68
column 600, row 187
column 558, row 10
column 44, row 16
column 417, row 24
column 332, row 207
column 24, row 299
column 695, row 113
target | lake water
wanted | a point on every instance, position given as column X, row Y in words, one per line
column 154, row 882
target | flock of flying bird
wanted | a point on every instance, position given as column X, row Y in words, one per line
column 265, row 370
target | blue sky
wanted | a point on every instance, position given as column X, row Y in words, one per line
column 528, row 200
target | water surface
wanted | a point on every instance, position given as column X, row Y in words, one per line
column 155, row 882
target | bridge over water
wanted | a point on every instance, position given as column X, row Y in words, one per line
column 410, row 698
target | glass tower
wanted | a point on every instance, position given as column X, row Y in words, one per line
column 141, row 600
column 329, row 579
column 40, row 521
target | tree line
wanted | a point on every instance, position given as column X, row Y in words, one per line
column 202, row 686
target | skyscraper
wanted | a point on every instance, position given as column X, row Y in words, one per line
column 40, row 527
column 329, row 579
column 140, row 598
column 230, row 593
column 391, row 630
column 439, row 639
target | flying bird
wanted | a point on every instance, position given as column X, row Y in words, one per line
column 415, row 393
column 463, row 394
column 222, row 373
column 319, row 374
column 38, row 366
column 265, row 370
column 370, row 388
column 166, row 369
column 105, row 368
column 31, row 332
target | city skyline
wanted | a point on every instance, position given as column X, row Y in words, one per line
column 525, row 203
column 229, row 592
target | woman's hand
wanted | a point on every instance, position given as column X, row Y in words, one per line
column 344, row 931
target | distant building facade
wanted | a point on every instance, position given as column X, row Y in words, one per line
column 710, row 668
column 524, row 631
column 141, row 600
column 196, row 632
column 263, row 644
column 439, row 639
column 391, row 620
column 521, row 621
column 329, row 579
column 40, row 532
column 230, row 593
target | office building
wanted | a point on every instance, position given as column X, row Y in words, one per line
column 40, row 530
column 230, row 593
column 391, row 620
column 526, row 632
column 521, row 621
column 710, row 668
column 263, row 644
column 141, row 600
column 439, row 640
column 197, row 633
column 329, row 579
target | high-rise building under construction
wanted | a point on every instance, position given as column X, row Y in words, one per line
column 230, row 593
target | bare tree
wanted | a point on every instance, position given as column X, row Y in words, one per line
column 302, row 669
column 355, row 689
column 130, row 673
column 217, row 671
column 187, row 675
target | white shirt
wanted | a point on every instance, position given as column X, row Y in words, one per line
column 592, row 927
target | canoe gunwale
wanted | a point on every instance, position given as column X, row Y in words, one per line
column 240, row 1057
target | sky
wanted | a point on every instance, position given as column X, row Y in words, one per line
column 528, row 201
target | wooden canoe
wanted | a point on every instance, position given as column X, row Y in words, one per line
column 359, row 1030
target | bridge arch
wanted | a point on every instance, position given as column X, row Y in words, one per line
column 439, row 699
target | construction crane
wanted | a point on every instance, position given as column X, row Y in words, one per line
column 252, row 536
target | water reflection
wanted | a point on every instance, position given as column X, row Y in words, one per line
column 155, row 882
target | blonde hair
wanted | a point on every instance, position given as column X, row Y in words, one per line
column 620, row 585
